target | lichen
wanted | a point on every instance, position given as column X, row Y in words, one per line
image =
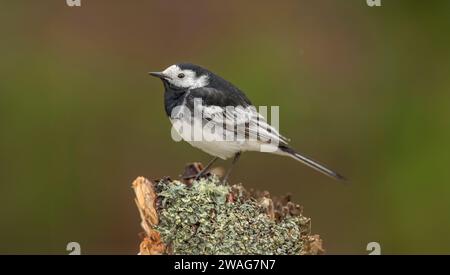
column 201, row 219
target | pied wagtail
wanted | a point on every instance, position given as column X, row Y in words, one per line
column 226, row 108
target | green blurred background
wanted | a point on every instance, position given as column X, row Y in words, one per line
column 364, row 90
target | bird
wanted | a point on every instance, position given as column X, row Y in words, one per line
column 196, row 99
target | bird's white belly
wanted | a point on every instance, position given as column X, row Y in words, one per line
column 210, row 142
column 217, row 148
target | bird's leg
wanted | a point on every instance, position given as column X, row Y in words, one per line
column 204, row 170
column 235, row 160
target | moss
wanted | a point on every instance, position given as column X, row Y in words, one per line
column 209, row 218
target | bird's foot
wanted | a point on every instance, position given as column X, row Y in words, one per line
column 202, row 174
column 224, row 181
column 199, row 176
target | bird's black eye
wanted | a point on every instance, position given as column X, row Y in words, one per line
column 181, row 75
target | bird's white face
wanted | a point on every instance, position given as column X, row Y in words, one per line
column 185, row 78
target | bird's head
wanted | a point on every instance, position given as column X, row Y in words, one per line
column 184, row 76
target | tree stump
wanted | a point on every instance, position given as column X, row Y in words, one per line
column 205, row 217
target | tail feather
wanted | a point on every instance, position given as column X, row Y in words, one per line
column 311, row 163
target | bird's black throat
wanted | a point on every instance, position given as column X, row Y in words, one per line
column 173, row 97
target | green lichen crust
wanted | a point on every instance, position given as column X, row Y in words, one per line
column 202, row 219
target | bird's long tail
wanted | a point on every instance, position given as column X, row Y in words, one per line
column 311, row 163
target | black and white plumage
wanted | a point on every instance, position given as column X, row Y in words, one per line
column 225, row 107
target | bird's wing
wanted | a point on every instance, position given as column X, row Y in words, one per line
column 244, row 121
column 231, row 109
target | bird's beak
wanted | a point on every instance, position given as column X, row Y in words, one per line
column 159, row 75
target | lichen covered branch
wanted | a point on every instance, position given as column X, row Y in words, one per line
column 205, row 217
